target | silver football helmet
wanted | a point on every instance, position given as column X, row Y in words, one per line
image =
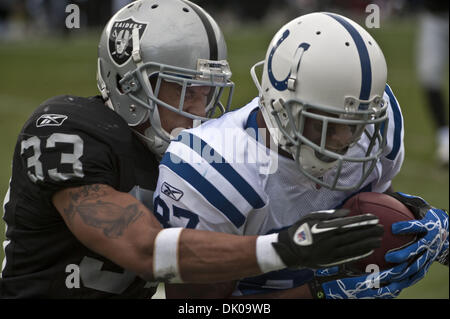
column 324, row 72
column 148, row 42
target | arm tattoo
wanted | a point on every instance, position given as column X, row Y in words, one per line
column 109, row 217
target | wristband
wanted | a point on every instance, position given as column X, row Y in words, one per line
column 266, row 256
column 165, row 256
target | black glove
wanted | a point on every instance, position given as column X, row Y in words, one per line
column 416, row 205
column 328, row 238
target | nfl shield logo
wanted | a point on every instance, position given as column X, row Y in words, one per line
column 120, row 43
column 301, row 236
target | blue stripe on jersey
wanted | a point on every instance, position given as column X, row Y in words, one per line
column 222, row 167
column 366, row 70
column 251, row 127
column 204, row 187
column 397, row 124
column 252, row 122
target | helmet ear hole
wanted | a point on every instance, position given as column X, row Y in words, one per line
column 119, row 87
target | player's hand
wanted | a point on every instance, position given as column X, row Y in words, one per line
column 327, row 238
column 329, row 284
column 432, row 230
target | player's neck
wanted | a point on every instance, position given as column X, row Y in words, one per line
column 268, row 138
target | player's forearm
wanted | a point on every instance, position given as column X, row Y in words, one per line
column 207, row 257
column 119, row 227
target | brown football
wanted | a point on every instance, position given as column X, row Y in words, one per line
column 389, row 211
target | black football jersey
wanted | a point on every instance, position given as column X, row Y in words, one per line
column 67, row 142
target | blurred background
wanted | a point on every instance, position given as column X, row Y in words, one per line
column 40, row 57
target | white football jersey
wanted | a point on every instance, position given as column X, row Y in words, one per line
column 219, row 177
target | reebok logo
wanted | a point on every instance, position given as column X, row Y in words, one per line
column 50, row 120
column 171, row 191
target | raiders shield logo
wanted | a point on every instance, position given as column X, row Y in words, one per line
column 120, row 39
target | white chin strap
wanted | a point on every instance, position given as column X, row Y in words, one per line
column 156, row 144
column 152, row 137
column 312, row 164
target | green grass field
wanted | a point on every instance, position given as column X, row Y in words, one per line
column 40, row 68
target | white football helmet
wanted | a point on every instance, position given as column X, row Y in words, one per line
column 150, row 41
column 325, row 69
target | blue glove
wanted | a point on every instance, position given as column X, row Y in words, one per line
column 372, row 286
column 432, row 245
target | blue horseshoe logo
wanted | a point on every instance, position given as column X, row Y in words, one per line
column 281, row 85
